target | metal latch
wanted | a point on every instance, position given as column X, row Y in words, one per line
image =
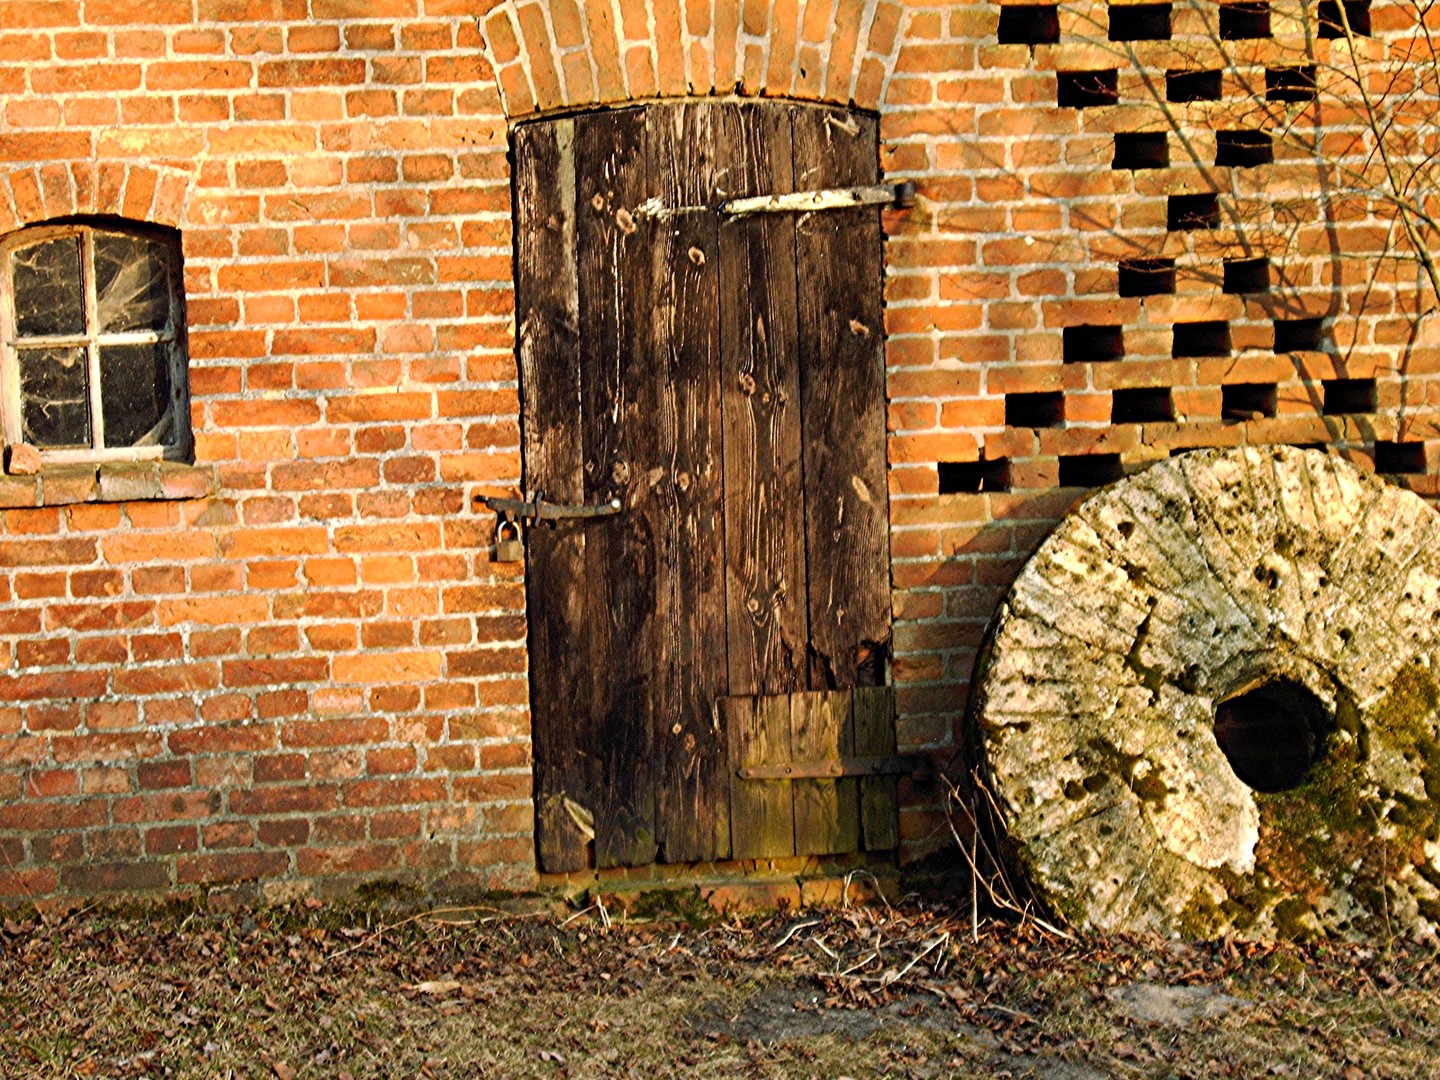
column 889, row 765
column 900, row 196
column 537, row 509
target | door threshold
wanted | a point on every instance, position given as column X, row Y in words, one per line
column 737, row 886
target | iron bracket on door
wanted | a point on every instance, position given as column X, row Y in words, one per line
column 900, row 196
column 537, row 509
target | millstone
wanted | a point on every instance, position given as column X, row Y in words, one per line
column 1209, row 702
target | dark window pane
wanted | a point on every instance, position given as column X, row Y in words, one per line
column 54, row 397
column 49, row 295
column 131, row 282
column 134, row 390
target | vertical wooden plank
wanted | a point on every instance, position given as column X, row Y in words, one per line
column 842, row 403
column 827, row 812
column 693, row 782
column 617, row 395
column 547, row 316
column 762, row 812
column 875, row 737
column 764, row 556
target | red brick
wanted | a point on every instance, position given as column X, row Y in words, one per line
column 290, row 832
column 93, row 877
column 284, row 800
column 222, row 739
column 164, row 774
column 230, row 867
column 398, row 759
column 52, row 783
column 53, row 717
column 59, row 685
column 171, row 839
column 239, row 673
column 363, row 859
column 228, row 834
column 394, row 792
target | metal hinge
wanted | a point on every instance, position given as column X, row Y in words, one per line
column 537, row 509
column 891, row 765
column 900, row 196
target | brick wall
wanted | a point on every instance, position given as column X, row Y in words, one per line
column 315, row 672
column 306, row 671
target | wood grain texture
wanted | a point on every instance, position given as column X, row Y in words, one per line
column 693, row 781
column 762, row 813
column 764, row 529
column 874, row 718
column 619, row 395
column 724, row 379
column 547, row 316
column 842, row 405
column 827, row 812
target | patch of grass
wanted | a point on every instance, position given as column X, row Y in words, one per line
column 899, row 991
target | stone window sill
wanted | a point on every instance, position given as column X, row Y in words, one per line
column 110, row 481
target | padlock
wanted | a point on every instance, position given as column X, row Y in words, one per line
column 511, row 549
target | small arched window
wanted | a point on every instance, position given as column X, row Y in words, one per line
column 92, row 341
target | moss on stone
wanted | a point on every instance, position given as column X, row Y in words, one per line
column 1328, row 834
column 1202, row 918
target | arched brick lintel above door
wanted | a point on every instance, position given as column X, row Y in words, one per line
column 559, row 55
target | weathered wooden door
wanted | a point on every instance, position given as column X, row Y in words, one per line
column 722, row 376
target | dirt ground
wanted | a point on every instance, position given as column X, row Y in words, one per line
column 506, row 989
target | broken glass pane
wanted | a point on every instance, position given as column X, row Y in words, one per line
column 134, row 390
column 49, row 294
column 55, row 396
column 131, row 282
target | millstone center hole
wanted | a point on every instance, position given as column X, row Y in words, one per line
column 1272, row 734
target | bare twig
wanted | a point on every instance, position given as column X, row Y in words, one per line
column 795, row 930
column 890, row 976
column 999, row 890
column 431, row 914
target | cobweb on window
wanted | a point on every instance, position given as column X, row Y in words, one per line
column 49, row 295
column 131, row 283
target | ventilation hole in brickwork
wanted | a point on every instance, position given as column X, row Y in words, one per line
column 1239, row 22
column 1038, row 410
column 1183, row 212
column 1141, row 150
column 1142, row 405
column 1400, row 457
column 1248, row 401
column 1244, row 149
column 1090, row 470
column 1183, row 86
column 1247, row 275
column 1209, row 338
column 1093, row 343
column 1139, row 22
column 1087, row 89
column 1356, row 13
column 1345, row 396
column 1029, row 24
column 1299, row 335
column 972, row 477
column 1147, row 277
column 1291, row 83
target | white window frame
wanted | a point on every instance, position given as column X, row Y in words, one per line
column 170, row 438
